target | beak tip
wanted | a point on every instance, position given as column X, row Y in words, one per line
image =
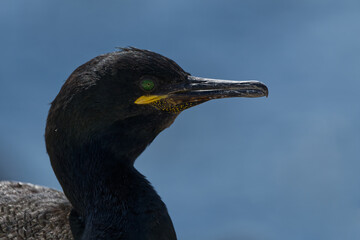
column 265, row 89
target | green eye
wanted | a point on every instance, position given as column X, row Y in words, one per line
column 147, row 84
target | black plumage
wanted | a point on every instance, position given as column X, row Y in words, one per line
column 105, row 115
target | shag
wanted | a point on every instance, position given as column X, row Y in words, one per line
column 105, row 115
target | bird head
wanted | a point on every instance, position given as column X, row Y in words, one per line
column 125, row 98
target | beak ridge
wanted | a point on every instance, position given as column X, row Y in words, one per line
column 198, row 90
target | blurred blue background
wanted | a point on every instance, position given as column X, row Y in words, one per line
column 285, row 167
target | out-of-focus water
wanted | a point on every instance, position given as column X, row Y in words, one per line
column 285, row 167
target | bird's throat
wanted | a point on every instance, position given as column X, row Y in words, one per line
column 99, row 179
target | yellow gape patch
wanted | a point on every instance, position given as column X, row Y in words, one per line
column 149, row 99
column 164, row 103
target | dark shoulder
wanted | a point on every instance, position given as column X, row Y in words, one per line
column 29, row 211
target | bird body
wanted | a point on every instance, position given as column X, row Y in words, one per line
column 105, row 115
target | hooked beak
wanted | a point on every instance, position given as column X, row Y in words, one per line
column 198, row 90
